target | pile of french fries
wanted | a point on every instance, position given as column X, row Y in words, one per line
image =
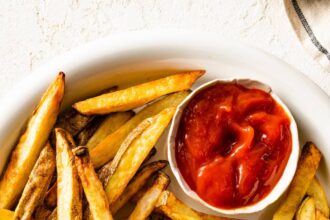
column 92, row 160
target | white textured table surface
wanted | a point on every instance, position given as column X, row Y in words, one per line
column 33, row 32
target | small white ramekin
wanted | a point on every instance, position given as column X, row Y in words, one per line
column 288, row 172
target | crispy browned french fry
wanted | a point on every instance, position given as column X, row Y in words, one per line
column 152, row 153
column 87, row 132
column 94, row 192
column 146, row 204
column 71, row 121
column 135, row 155
column 6, row 214
column 173, row 208
column 110, row 124
column 42, row 213
column 138, row 95
column 307, row 166
column 306, row 210
column 106, row 149
column 31, row 143
column 69, row 192
column 51, row 197
column 37, row 185
column 137, row 183
column 316, row 191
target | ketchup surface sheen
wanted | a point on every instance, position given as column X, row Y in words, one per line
column 232, row 144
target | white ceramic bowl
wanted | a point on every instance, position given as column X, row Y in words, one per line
column 140, row 56
column 288, row 172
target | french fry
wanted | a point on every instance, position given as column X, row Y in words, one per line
column 71, row 121
column 316, row 191
column 127, row 142
column 31, row 143
column 94, row 192
column 69, row 192
column 106, row 149
column 6, row 214
column 319, row 215
column 37, row 185
column 135, row 155
column 138, row 95
column 87, row 132
column 51, row 197
column 42, row 213
column 146, row 204
column 307, row 166
column 110, row 124
column 173, row 208
column 105, row 171
column 53, row 216
column 137, row 183
column 306, row 210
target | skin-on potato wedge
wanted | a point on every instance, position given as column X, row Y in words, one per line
column 6, row 214
column 138, row 95
column 37, row 185
column 307, row 166
column 137, row 183
column 306, row 210
column 69, row 192
column 147, row 202
column 316, row 191
column 135, row 155
column 110, row 124
column 106, row 149
column 31, row 143
column 173, row 208
column 94, row 192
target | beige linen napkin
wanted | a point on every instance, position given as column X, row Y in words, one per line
column 310, row 20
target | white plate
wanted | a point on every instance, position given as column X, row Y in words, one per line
column 134, row 57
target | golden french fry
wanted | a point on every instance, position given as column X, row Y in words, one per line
column 106, row 149
column 94, row 192
column 127, row 142
column 6, row 214
column 31, row 143
column 306, row 210
column 307, row 166
column 51, row 197
column 110, row 124
column 147, row 202
column 316, row 191
column 138, row 95
column 173, row 208
column 137, row 183
column 69, row 192
column 152, row 153
column 37, row 185
column 319, row 215
column 135, row 155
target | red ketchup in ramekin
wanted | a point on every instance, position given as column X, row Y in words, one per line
column 232, row 144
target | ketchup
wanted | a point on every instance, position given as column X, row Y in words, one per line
column 232, row 145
